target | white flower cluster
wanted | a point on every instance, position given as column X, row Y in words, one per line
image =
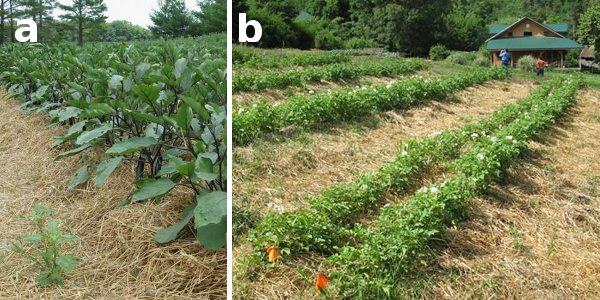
column 480, row 156
column 276, row 207
column 432, row 190
column 435, row 134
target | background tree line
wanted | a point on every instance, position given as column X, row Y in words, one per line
column 400, row 25
column 86, row 20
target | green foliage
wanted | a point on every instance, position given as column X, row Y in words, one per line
column 259, row 81
column 589, row 28
column 526, row 63
column 465, row 30
column 119, row 31
column 323, row 227
column 481, row 61
column 293, row 60
column 387, row 22
column 212, row 16
column 277, row 33
column 172, row 19
column 438, row 52
column 572, row 58
column 327, row 40
column 360, row 43
column 84, row 13
column 462, row 58
column 158, row 105
column 398, row 241
column 45, row 250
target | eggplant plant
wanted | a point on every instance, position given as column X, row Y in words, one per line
column 158, row 105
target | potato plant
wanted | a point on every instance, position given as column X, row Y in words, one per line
column 250, row 122
column 158, row 105
column 259, row 81
column 398, row 241
column 325, row 225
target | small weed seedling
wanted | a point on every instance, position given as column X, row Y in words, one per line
column 45, row 251
column 516, row 237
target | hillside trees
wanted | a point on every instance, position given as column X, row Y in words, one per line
column 212, row 16
column 408, row 26
column 84, row 13
column 589, row 28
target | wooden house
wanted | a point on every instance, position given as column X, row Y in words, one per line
column 530, row 37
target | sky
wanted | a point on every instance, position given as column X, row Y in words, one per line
column 134, row 11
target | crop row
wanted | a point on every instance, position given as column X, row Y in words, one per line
column 348, row 104
column 398, row 241
column 291, row 60
column 323, row 226
column 276, row 79
column 158, row 105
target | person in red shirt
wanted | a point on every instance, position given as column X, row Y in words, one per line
column 539, row 66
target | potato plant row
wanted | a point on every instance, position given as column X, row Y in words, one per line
column 158, row 105
column 256, row 82
column 324, row 226
column 398, row 242
column 295, row 59
column 249, row 123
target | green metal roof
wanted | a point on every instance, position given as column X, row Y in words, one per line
column 533, row 43
column 560, row 28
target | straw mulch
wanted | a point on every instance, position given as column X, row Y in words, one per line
column 119, row 259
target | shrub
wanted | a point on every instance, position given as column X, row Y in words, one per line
column 360, row 43
column 438, row 52
column 526, row 63
column 481, row 61
column 572, row 58
column 462, row 58
column 242, row 54
column 326, row 40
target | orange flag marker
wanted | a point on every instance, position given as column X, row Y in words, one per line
column 322, row 282
column 273, row 253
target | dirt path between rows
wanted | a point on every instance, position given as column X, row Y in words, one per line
column 537, row 235
column 271, row 175
column 119, row 259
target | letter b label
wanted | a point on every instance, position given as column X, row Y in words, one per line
column 244, row 26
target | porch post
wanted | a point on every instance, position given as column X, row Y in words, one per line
column 561, row 59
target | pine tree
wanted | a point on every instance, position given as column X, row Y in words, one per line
column 84, row 13
column 172, row 19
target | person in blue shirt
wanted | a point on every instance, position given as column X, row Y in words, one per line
column 505, row 57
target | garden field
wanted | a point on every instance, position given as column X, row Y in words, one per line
column 418, row 180
column 125, row 144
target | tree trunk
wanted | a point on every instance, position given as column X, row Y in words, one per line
column 80, row 19
column 80, row 34
column 12, row 25
column 41, row 35
column 1, row 22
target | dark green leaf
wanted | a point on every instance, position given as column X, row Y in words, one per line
column 131, row 145
column 105, row 168
column 210, row 219
column 152, row 188
column 80, row 177
column 169, row 234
